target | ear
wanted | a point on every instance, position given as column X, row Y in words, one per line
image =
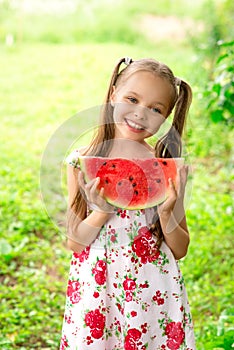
column 113, row 96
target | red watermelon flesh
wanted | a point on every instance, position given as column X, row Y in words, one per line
column 132, row 184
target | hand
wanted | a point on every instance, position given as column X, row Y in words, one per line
column 94, row 197
column 176, row 193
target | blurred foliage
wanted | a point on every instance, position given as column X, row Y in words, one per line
column 215, row 54
column 220, row 90
column 217, row 17
column 89, row 23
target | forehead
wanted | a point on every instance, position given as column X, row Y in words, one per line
column 139, row 77
column 147, row 84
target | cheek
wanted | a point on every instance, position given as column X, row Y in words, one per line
column 121, row 110
column 155, row 123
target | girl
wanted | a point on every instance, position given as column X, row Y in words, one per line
column 125, row 289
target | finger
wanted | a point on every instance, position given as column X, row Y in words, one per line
column 172, row 187
column 101, row 193
column 94, row 190
column 184, row 172
column 90, row 184
column 172, row 195
column 169, row 203
column 182, row 180
column 94, row 185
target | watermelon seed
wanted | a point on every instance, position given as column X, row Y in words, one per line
column 158, row 181
column 156, row 163
column 120, row 183
column 136, row 192
column 134, row 184
column 164, row 163
column 131, row 178
column 106, row 181
column 104, row 163
column 113, row 165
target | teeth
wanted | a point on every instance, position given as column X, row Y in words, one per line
column 134, row 125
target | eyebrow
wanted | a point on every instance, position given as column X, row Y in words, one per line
column 137, row 95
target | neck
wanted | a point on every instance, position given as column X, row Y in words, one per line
column 130, row 149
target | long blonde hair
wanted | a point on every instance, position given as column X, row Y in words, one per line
column 166, row 147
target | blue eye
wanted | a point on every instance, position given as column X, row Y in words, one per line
column 156, row 110
column 132, row 100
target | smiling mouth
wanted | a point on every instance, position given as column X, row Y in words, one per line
column 134, row 125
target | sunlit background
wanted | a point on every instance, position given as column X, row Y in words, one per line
column 56, row 58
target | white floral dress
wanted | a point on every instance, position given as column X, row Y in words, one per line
column 124, row 294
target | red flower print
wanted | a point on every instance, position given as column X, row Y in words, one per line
column 96, row 294
column 73, row 291
column 133, row 313
column 129, row 344
column 144, row 246
column 128, row 296
column 144, row 328
column 89, row 340
column 145, row 232
column 129, row 284
column 158, row 299
column 68, row 319
column 120, row 308
column 83, row 255
column 131, row 339
column 134, row 333
column 64, row 344
column 96, row 333
column 96, row 321
column 175, row 334
column 122, row 213
column 113, row 238
column 99, row 272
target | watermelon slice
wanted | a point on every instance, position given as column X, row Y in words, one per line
column 132, row 183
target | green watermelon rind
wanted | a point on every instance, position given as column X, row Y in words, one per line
column 150, row 203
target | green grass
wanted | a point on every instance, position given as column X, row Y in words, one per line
column 43, row 86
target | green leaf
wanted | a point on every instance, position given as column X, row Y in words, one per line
column 225, row 44
column 221, row 58
column 217, row 116
column 216, row 88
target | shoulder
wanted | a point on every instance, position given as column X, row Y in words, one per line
column 73, row 158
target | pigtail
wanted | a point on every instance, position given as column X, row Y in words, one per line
column 114, row 77
column 102, row 142
column 182, row 106
column 170, row 145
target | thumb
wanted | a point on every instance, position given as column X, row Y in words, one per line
column 172, row 188
column 101, row 193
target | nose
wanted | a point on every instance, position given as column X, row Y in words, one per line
column 140, row 112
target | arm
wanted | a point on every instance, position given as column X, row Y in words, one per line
column 172, row 217
column 81, row 233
